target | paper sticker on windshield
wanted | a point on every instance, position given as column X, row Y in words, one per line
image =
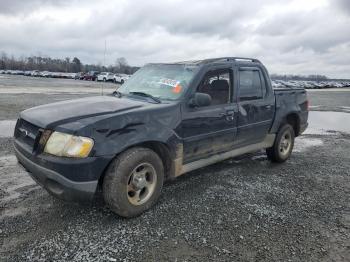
column 168, row 82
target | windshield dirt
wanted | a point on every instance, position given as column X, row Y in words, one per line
column 162, row 81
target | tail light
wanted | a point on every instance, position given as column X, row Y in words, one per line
column 307, row 105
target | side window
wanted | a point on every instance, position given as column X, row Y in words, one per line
column 217, row 84
column 250, row 85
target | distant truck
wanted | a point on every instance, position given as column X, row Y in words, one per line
column 166, row 120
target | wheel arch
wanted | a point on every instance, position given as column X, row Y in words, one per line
column 160, row 148
column 294, row 120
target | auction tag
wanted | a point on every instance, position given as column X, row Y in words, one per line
column 168, row 82
column 176, row 87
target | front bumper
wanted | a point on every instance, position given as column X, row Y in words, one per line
column 55, row 174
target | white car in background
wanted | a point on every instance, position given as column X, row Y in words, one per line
column 45, row 74
column 35, row 73
column 105, row 76
column 121, row 78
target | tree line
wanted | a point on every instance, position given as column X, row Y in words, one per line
column 74, row 65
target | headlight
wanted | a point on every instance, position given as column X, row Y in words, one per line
column 61, row 144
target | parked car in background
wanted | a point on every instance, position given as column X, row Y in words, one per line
column 54, row 74
column 2, row 71
column 28, row 73
column 35, row 73
column 45, row 74
column 91, row 76
column 68, row 75
column 79, row 76
column 121, row 78
column 105, row 77
column 17, row 72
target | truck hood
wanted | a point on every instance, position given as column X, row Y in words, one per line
column 72, row 110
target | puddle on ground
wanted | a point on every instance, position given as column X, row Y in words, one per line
column 8, row 161
column 14, row 181
column 303, row 143
column 327, row 123
column 7, row 127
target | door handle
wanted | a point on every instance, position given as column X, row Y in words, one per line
column 268, row 106
column 229, row 115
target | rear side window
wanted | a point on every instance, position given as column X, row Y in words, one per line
column 250, row 85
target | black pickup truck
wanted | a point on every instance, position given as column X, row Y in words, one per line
column 166, row 120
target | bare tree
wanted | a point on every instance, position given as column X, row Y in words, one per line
column 76, row 65
column 121, row 65
column 3, row 60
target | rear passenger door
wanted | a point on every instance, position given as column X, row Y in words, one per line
column 255, row 106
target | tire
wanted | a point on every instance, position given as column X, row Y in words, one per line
column 133, row 182
column 283, row 145
column 122, row 81
column 104, row 79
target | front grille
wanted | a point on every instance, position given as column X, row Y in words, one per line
column 27, row 133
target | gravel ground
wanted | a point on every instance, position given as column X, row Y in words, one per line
column 243, row 209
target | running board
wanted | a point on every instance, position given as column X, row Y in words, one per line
column 266, row 143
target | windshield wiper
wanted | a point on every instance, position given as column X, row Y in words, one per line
column 117, row 93
column 156, row 99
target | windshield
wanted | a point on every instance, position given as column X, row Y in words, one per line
column 164, row 81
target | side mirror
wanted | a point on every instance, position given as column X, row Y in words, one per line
column 200, row 99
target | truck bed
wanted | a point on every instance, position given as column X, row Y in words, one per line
column 291, row 99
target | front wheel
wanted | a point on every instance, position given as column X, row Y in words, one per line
column 283, row 145
column 133, row 182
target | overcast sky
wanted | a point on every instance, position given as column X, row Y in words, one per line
column 289, row 36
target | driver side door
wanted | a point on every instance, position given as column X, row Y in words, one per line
column 211, row 129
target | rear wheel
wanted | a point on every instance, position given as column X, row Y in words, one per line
column 283, row 145
column 133, row 182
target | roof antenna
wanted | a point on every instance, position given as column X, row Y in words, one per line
column 104, row 63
